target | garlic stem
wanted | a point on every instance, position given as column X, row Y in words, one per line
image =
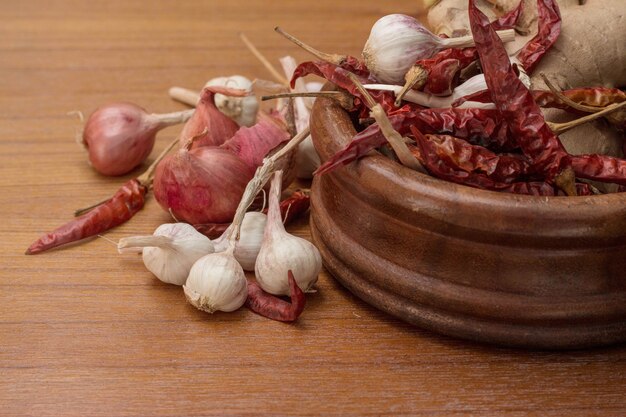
column 507, row 35
column 266, row 63
column 567, row 100
column 473, row 85
column 559, row 128
column 184, row 95
column 149, row 241
column 261, row 176
column 174, row 118
column 393, row 137
column 332, row 58
column 344, row 99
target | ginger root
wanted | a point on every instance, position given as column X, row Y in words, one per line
column 589, row 53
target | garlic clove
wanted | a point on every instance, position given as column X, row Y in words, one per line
column 242, row 110
column 250, row 238
column 216, row 282
column 171, row 251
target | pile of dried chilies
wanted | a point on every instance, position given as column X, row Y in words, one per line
column 468, row 114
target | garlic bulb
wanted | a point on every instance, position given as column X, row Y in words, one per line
column 281, row 252
column 216, row 282
column 250, row 238
column 171, row 251
column 397, row 41
column 242, row 110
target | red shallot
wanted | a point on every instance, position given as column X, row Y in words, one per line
column 120, row 136
column 208, row 123
column 205, row 184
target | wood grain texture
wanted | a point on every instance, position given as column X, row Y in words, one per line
column 86, row 332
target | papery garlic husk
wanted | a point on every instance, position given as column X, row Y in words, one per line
column 281, row 252
column 171, row 251
column 216, row 282
column 242, row 110
column 250, row 238
column 307, row 159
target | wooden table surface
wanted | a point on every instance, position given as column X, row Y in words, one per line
column 85, row 331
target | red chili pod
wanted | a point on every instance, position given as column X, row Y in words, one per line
column 274, row 308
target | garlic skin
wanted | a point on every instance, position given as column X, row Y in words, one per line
column 395, row 42
column 216, row 282
column 171, row 251
column 242, row 110
column 307, row 159
column 250, row 238
column 281, row 252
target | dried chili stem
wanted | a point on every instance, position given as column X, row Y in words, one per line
column 266, row 63
column 416, row 77
column 184, row 95
column 566, row 181
column 559, row 128
column 332, row 58
column 393, row 137
column 567, row 100
column 344, row 99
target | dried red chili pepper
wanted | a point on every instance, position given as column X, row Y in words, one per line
column 470, row 158
column 339, row 76
column 591, row 99
column 274, row 308
column 443, row 77
column 127, row 201
column 549, row 23
column 124, row 204
column 478, row 126
column 290, row 209
column 587, row 96
column 600, row 168
column 516, row 104
column 445, row 169
column 294, row 206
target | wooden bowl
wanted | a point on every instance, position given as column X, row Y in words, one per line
column 538, row 272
